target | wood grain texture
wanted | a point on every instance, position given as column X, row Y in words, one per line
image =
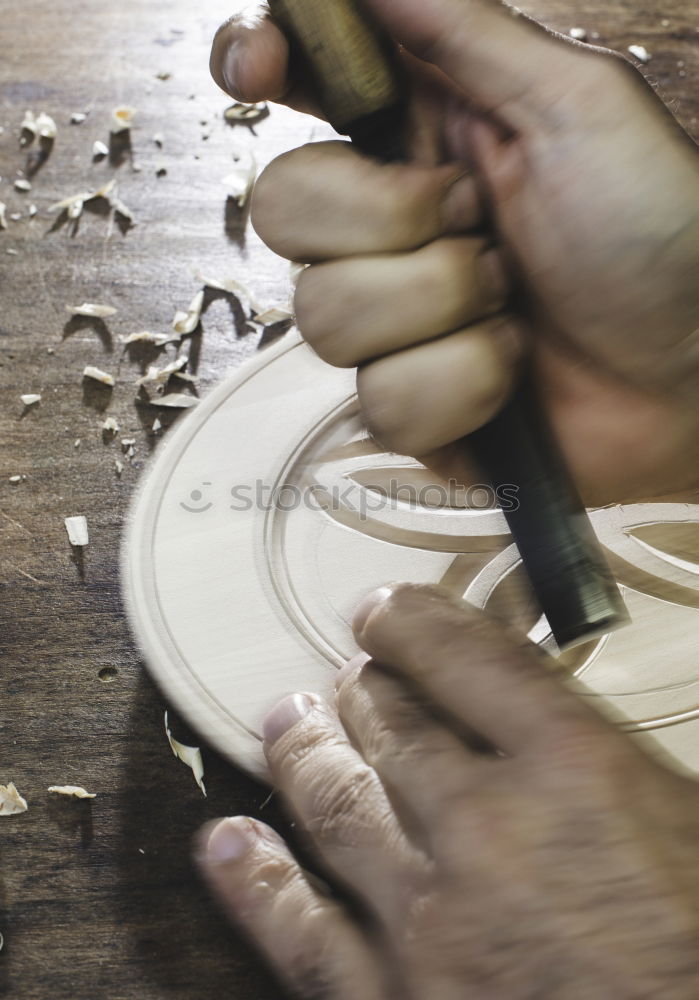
column 83, row 913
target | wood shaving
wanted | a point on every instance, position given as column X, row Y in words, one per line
column 275, row 314
column 245, row 112
column 74, row 791
column 73, row 205
column 145, row 336
column 31, row 398
column 175, row 400
column 11, row 802
column 98, row 375
column 110, row 426
column 91, row 309
column 160, row 376
column 640, row 53
column 122, row 118
column 191, row 756
column 241, row 181
column 232, row 287
column 77, row 530
column 99, row 150
column 3, row 215
column 186, row 322
column 22, row 185
column 42, row 125
column 296, row 269
column 46, row 126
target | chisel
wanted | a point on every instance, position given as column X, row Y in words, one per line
column 354, row 71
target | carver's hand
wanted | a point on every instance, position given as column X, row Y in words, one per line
column 564, row 867
column 593, row 192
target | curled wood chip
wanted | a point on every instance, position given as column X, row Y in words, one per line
column 3, row 215
column 187, row 322
column 46, row 126
column 231, row 286
column 92, row 309
column 175, row 400
column 77, row 530
column 245, row 112
column 99, row 150
column 42, row 125
column 111, row 426
column 239, row 183
column 122, row 118
column 145, row 336
column 162, row 375
column 22, row 185
column 74, row 791
column 640, row 52
column 275, row 314
column 31, row 398
column 98, row 375
column 11, row 802
column 191, row 756
column 73, row 205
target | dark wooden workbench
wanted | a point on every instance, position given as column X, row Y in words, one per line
column 99, row 899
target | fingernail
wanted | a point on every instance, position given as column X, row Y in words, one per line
column 370, row 602
column 231, row 67
column 286, row 714
column 230, row 840
column 351, row 667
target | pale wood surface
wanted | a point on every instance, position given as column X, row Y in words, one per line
column 83, row 912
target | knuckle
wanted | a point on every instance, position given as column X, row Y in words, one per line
column 338, row 799
column 407, row 200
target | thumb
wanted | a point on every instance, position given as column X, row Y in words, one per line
column 503, row 61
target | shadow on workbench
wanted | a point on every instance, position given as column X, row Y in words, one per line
column 180, row 938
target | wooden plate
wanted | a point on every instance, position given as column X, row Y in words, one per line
column 269, row 514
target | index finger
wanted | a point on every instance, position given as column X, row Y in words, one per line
column 498, row 685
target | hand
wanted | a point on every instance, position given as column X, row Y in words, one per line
column 593, row 190
column 563, row 867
